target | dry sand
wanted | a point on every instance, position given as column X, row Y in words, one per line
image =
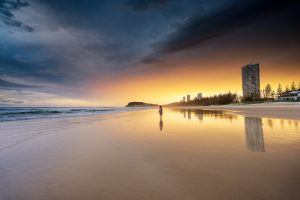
column 271, row 110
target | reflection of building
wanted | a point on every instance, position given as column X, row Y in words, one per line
column 189, row 112
column 251, row 82
column 183, row 111
column 200, row 114
column 254, row 134
column 188, row 97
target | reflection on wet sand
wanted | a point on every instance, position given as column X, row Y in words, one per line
column 189, row 114
column 254, row 134
column 288, row 124
column 161, row 123
column 253, row 125
column 216, row 114
column 126, row 156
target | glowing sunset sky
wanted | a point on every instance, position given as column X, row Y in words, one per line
column 87, row 53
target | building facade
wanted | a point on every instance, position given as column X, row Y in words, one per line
column 188, row 97
column 199, row 96
column 251, row 81
column 290, row 96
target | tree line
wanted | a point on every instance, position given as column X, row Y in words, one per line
column 220, row 99
column 268, row 91
column 227, row 98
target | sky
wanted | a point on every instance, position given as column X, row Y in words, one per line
column 107, row 53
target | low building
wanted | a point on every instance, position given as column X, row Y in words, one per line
column 188, row 97
column 199, row 96
column 290, row 96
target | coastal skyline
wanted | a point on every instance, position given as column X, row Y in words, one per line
column 97, row 53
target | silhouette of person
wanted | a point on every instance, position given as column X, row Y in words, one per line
column 161, row 124
column 160, row 110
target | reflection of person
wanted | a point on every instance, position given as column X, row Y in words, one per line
column 161, row 124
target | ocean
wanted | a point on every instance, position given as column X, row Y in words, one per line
column 27, row 113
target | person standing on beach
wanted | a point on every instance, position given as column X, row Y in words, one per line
column 160, row 121
column 160, row 110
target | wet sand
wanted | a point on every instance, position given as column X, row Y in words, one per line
column 272, row 110
column 188, row 154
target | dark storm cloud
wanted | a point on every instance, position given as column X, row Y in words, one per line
column 76, row 13
column 144, row 5
column 95, row 35
column 204, row 27
column 24, row 75
column 43, row 71
column 7, row 7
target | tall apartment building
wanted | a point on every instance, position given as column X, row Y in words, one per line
column 251, row 80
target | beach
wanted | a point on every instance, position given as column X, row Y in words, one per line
column 149, row 100
column 188, row 153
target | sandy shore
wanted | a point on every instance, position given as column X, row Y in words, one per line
column 271, row 110
column 138, row 155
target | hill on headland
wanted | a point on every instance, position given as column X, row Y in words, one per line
column 140, row 104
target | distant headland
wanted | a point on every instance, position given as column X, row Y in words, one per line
column 140, row 104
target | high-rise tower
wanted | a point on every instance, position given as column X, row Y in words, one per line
column 251, row 81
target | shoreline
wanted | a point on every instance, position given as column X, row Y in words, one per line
column 27, row 129
column 290, row 110
column 11, row 114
